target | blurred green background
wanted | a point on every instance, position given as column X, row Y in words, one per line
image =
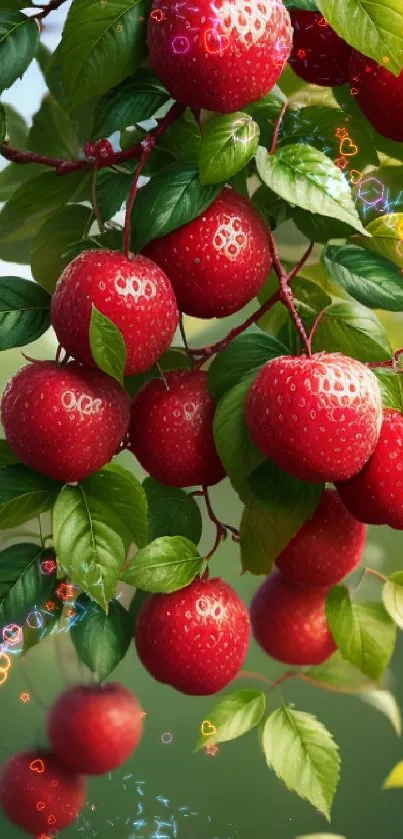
column 232, row 794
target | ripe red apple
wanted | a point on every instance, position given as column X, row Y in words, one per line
column 218, row 262
column 375, row 495
column 379, row 94
column 195, row 639
column 39, row 794
column 65, row 421
column 289, row 623
column 92, row 729
column 218, row 54
column 318, row 55
column 317, row 417
column 133, row 293
column 326, row 548
column 171, row 430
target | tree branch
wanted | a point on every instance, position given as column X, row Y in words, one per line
column 50, row 7
column 65, row 166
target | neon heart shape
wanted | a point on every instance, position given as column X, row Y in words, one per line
column 37, row 765
column 207, row 728
column 348, row 148
column 215, row 42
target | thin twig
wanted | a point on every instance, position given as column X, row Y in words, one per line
column 148, row 145
column 65, row 166
column 277, row 128
column 94, row 200
column 286, row 295
column 222, row 529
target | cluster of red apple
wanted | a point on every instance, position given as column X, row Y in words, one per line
column 320, row 57
column 92, row 730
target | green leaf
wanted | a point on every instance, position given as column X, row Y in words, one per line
column 17, row 129
column 375, row 29
column 24, row 312
column 19, row 36
column 90, row 542
column 363, row 632
column 7, row 456
column 52, row 131
column 24, row 494
column 304, row 755
column 235, row 715
column 182, row 139
column 101, row 641
column 353, row 330
column 133, row 101
column 120, row 490
column 392, row 596
column 319, row 126
column 165, row 565
column 246, row 354
column 2, row 123
column 269, row 107
column 385, row 702
column 22, row 586
column 171, row 199
column 236, row 449
column 135, row 606
column 228, row 144
column 175, row 358
column 171, row 512
column 391, row 387
column 371, row 279
column 112, row 191
column 280, row 506
column 34, row 201
column 338, row 675
column 307, row 6
column 319, row 228
column 47, row 622
column 386, row 237
column 13, row 175
column 49, row 255
column 304, row 176
column 97, row 51
column 107, row 345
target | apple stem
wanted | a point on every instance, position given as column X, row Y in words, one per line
column 286, row 295
column 64, row 166
column 184, row 337
column 314, row 329
column 376, row 574
column 94, row 201
column 222, row 529
column 148, row 145
column 277, row 128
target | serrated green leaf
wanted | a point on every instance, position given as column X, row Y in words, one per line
column 391, row 387
column 45, row 624
column 90, row 541
column 7, row 456
column 171, row 512
column 24, row 312
column 49, row 255
column 354, row 330
column 101, row 641
column 34, row 201
column 279, row 507
column 236, row 449
column 165, row 565
column 126, row 498
column 107, row 46
column 244, row 355
column 304, row 755
column 52, row 131
column 319, row 229
column 386, row 237
column 107, row 345
column 175, row 358
column 392, row 596
column 182, row 140
column 171, row 199
column 306, row 177
column 22, row 586
column 235, row 715
column 338, row 675
column 19, row 36
column 369, row 278
column 363, row 632
column 24, row 494
column 228, row 143
column 133, row 101
column 17, row 129
column 13, row 175
column 385, row 702
column 374, row 29
column 112, row 191
column 319, row 126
